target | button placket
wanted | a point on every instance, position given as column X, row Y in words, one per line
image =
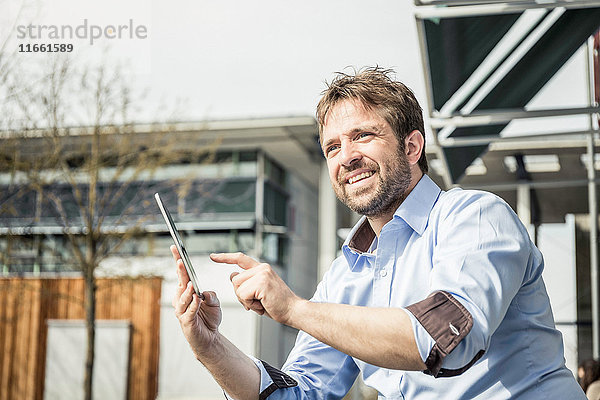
column 381, row 284
column 392, row 242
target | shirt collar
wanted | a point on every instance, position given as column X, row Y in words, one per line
column 357, row 243
column 414, row 210
column 361, row 236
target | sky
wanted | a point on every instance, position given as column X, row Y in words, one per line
column 260, row 58
column 239, row 59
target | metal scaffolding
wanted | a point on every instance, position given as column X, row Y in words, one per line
column 460, row 109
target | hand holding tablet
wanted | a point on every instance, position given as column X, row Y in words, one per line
column 180, row 246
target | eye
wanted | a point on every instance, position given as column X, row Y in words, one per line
column 363, row 135
column 331, row 148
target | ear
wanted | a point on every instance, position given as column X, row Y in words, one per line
column 414, row 146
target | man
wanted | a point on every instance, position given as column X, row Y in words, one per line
column 438, row 295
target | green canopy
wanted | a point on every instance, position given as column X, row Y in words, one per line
column 457, row 46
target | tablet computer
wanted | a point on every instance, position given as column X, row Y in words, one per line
column 179, row 244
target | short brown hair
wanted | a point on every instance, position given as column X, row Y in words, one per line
column 376, row 90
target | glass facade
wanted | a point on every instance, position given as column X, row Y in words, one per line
column 21, row 254
column 213, row 202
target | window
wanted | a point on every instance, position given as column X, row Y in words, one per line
column 274, row 249
column 275, row 208
column 226, row 196
column 35, row 253
column 275, row 173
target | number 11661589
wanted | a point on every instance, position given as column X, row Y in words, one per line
column 45, row 48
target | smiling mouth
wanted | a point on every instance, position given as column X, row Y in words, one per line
column 360, row 177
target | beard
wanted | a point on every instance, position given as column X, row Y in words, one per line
column 389, row 192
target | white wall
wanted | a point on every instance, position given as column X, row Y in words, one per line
column 557, row 244
column 66, row 349
column 180, row 374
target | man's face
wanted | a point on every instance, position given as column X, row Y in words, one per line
column 368, row 171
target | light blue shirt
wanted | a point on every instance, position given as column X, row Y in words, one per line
column 471, row 245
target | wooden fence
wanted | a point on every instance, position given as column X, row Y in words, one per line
column 27, row 303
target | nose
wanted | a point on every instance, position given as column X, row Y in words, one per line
column 349, row 154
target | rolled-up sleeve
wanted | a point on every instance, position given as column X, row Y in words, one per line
column 271, row 379
column 480, row 260
column 312, row 371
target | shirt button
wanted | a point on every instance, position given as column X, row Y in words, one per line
column 383, row 272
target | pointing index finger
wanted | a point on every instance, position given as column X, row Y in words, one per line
column 239, row 258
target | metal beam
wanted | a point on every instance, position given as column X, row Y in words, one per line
column 534, row 185
column 475, row 10
column 482, row 140
column 505, row 116
column 461, row 2
column 593, row 210
column 446, row 176
column 39, row 229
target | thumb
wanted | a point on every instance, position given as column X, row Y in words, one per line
column 211, row 299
